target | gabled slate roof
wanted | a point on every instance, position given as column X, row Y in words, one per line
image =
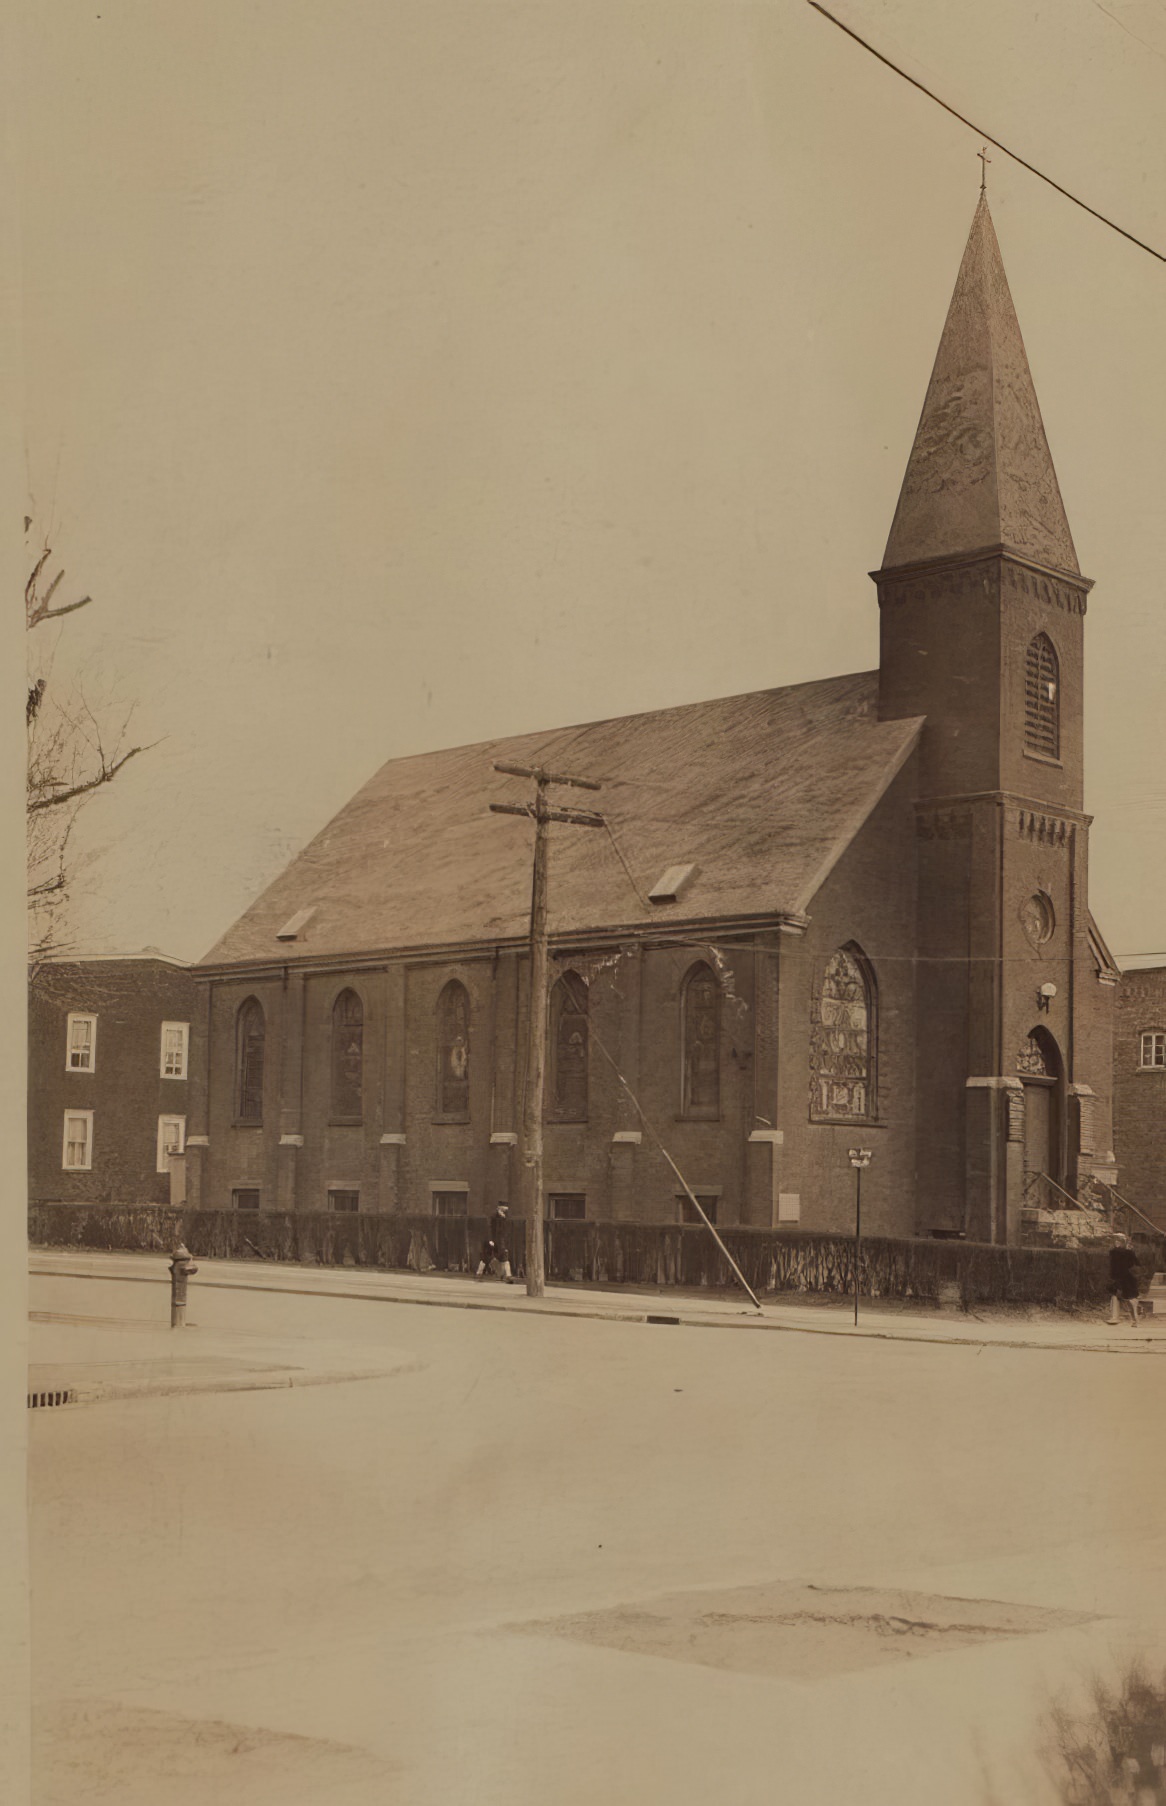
column 980, row 473
column 762, row 793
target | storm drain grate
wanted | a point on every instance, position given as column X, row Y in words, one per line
column 39, row 1400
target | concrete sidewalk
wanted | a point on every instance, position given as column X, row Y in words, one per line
column 458, row 1291
column 84, row 1359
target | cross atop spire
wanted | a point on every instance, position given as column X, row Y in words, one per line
column 985, row 159
column 980, row 474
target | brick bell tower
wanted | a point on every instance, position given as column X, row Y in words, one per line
column 982, row 613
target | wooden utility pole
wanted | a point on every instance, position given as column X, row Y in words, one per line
column 542, row 813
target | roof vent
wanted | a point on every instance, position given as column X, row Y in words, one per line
column 673, row 884
column 291, row 928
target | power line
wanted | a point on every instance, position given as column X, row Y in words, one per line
column 1144, row 42
column 981, row 133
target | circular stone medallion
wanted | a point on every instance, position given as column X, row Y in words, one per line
column 1037, row 918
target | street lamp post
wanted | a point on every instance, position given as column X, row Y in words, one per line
column 859, row 1158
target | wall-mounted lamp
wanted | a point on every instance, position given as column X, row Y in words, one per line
column 859, row 1160
column 1045, row 996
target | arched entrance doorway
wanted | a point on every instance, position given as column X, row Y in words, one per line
column 1042, row 1073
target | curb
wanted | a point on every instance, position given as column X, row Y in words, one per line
column 99, row 1391
column 1135, row 1345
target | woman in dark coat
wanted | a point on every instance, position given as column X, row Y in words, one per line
column 1123, row 1278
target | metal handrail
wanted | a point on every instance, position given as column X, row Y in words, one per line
column 1132, row 1208
column 1075, row 1202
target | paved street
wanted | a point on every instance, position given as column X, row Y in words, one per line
column 570, row 1559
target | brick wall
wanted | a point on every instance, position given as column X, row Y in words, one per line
column 755, row 1145
column 1139, row 1094
column 125, row 1089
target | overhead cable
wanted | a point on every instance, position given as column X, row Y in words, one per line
column 981, row 133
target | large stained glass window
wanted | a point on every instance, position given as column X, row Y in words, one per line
column 842, row 1039
column 701, row 1038
column 569, row 1049
column 453, row 1051
column 348, row 1057
column 250, row 1037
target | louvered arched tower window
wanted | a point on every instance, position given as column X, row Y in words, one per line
column 700, row 1022
column 348, row 1057
column 569, row 1049
column 1042, row 698
column 250, row 1040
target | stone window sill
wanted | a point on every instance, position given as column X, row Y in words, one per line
column 851, row 1122
column 450, row 1119
column 346, row 1122
column 1039, row 758
column 246, row 1122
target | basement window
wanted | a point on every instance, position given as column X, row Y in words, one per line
column 707, row 1203
column 567, row 1207
column 245, row 1197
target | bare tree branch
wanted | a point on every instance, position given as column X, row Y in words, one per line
column 53, row 614
column 37, row 606
column 71, row 757
column 105, row 776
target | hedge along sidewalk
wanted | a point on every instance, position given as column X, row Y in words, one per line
column 597, row 1252
column 683, row 1311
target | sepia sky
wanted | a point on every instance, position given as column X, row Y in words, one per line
column 403, row 374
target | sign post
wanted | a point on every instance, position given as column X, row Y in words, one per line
column 859, row 1158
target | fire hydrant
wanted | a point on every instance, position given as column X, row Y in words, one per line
column 181, row 1268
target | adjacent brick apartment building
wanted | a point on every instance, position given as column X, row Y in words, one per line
column 850, row 911
column 108, row 1078
column 1139, row 1088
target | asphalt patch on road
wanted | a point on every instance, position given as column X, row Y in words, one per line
column 100, row 1753
column 799, row 1631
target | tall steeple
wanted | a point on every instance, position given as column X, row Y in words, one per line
column 980, row 476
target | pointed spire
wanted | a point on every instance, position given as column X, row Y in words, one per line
column 980, row 473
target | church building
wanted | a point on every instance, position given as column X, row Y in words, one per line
column 845, row 913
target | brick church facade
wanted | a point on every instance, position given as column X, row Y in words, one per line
column 846, row 912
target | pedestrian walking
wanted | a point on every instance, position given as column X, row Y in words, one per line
column 495, row 1253
column 1123, row 1278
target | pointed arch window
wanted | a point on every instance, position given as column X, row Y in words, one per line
column 700, row 1019
column 1042, row 698
column 250, row 1044
column 453, row 1052
column 843, row 1043
column 348, row 1057
column 570, row 1051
